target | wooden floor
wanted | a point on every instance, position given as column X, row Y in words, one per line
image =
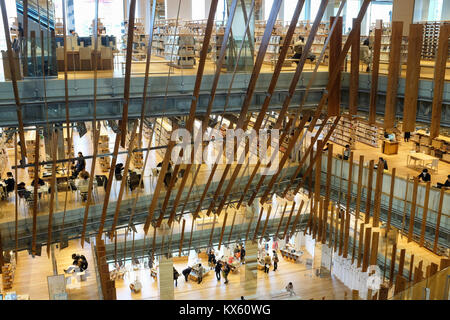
column 269, row 286
column 31, row 273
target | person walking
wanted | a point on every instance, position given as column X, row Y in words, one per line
column 218, row 269
column 267, row 263
column 226, row 271
column 275, row 261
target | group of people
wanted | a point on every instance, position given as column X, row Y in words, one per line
column 79, row 264
column 268, row 261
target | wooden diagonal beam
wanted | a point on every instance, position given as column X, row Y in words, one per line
column 190, row 123
column 377, row 197
column 36, row 186
column 358, row 203
column 129, row 56
column 375, row 72
column 182, row 237
column 281, row 220
column 14, row 77
column 334, row 76
column 297, row 217
column 412, row 213
column 354, row 73
column 425, row 213
column 391, row 199
column 52, row 194
column 369, row 192
column 438, row 220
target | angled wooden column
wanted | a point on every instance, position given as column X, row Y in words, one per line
column 393, row 75
column 334, row 97
column 317, row 185
column 375, row 71
column 424, row 214
column 391, row 199
column 415, row 41
column 377, row 196
column 412, row 213
column 438, row 220
column 360, row 243
column 358, row 203
column 374, row 249
column 369, row 192
column 354, row 71
column 341, row 231
column 411, row 267
column 400, row 284
column 439, row 78
column 367, row 235
column 391, row 272
column 401, row 262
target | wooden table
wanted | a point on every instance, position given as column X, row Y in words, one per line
column 389, row 147
column 421, row 157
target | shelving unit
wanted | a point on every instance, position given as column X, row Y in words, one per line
column 7, row 276
column 140, row 39
column 438, row 147
column 344, row 133
column 386, row 44
column 431, row 39
column 368, row 134
column 179, row 51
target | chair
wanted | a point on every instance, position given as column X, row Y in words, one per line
column 85, row 59
column 433, row 165
column 106, row 58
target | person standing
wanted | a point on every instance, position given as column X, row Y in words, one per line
column 218, row 269
column 226, row 271
column 242, row 254
column 200, row 273
column 267, row 263
column 175, row 276
column 275, row 261
column 347, row 152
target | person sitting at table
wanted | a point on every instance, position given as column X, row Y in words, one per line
column 384, row 162
column 10, row 182
column 80, row 165
column 446, row 184
column 39, row 181
column 425, row 176
column 21, row 189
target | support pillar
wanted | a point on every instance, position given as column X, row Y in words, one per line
column 334, row 97
column 185, row 9
column 403, row 10
column 250, row 275
column 165, row 279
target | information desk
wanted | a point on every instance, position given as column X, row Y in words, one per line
column 389, row 147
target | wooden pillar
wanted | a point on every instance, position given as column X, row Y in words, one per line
column 107, row 285
column 360, row 243
column 400, row 284
column 415, row 41
column 354, row 71
column 375, row 70
column 391, row 199
column 334, row 97
column 393, row 75
column 438, row 220
column 391, row 273
column 377, row 196
column 374, row 250
column 250, row 274
column 366, row 249
column 411, row 267
column 317, row 183
column 439, row 78
column 165, row 279
column 413, row 210
column 424, row 214
column 383, row 292
column 401, row 262
column 369, row 192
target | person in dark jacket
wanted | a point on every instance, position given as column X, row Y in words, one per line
column 10, row 182
column 446, row 184
column 186, row 273
column 275, row 261
column 217, row 269
column 175, row 276
column 425, row 176
column 242, row 254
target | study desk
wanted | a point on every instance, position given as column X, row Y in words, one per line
column 423, row 159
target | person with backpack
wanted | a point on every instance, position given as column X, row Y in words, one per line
column 275, row 261
column 267, row 263
column 175, row 276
